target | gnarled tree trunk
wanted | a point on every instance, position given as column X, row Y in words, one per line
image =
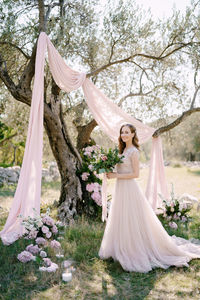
column 67, row 157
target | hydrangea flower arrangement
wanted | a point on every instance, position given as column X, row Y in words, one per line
column 175, row 211
column 42, row 231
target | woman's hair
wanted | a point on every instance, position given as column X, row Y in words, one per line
column 135, row 140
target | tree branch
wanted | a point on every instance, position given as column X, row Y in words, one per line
column 42, row 21
column 7, row 138
column 16, row 47
column 22, row 95
column 176, row 122
column 29, row 71
column 160, row 57
column 140, row 93
column 194, row 97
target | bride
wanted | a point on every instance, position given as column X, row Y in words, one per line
column 134, row 236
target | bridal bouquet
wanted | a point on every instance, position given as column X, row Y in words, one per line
column 100, row 160
column 106, row 160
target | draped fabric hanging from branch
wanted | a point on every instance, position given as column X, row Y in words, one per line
column 109, row 118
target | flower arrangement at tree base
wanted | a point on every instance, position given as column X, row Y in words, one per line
column 175, row 212
column 42, row 231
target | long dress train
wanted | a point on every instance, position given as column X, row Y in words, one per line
column 134, row 236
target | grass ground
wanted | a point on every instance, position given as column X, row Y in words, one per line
column 95, row 278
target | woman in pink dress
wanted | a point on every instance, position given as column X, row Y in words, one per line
column 134, row 236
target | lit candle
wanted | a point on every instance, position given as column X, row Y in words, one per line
column 66, row 277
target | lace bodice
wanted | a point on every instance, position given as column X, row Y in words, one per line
column 126, row 166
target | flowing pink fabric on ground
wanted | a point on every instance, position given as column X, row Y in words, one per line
column 108, row 116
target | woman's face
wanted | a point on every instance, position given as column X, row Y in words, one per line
column 126, row 134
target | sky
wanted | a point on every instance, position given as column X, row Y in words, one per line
column 163, row 8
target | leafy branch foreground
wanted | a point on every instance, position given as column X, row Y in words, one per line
column 95, row 278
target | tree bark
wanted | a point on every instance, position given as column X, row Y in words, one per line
column 84, row 133
column 67, row 157
column 42, row 21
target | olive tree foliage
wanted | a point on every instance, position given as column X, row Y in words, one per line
column 142, row 65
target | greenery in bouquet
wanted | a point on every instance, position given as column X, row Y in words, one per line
column 43, row 233
column 106, row 160
column 175, row 211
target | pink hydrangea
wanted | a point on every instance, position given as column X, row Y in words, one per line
column 183, row 219
column 54, row 229
column 33, row 249
column 48, row 220
column 173, row 225
column 90, row 167
column 32, row 234
column 47, row 261
column 96, row 196
column 43, row 254
column 96, row 187
column 45, row 229
column 89, row 187
column 40, row 241
column 52, row 268
column 55, row 244
column 48, row 235
column 87, row 153
column 25, row 256
column 84, row 176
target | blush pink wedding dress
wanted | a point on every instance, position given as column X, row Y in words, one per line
column 134, row 236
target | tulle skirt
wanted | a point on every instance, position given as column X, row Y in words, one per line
column 135, row 237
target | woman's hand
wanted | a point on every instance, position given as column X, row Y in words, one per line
column 111, row 175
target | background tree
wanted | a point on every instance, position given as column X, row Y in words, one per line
column 142, row 65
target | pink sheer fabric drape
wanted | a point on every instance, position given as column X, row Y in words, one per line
column 27, row 195
column 108, row 116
